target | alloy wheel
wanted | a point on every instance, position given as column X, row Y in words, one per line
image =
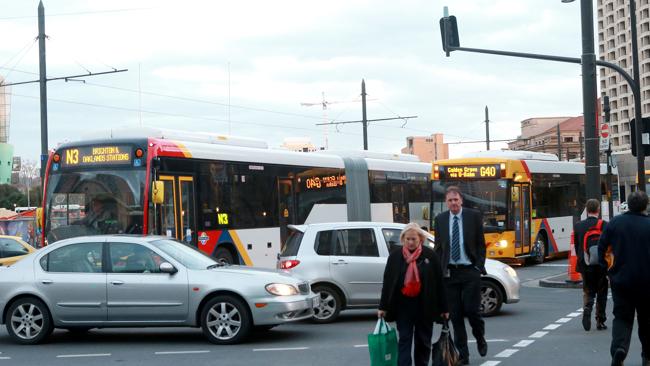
column 27, row 321
column 224, row 321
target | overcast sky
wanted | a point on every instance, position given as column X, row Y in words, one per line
column 190, row 58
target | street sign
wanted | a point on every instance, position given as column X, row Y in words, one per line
column 604, row 137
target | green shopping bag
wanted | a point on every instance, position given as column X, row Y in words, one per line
column 382, row 344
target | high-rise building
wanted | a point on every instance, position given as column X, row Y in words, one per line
column 427, row 148
column 541, row 134
column 615, row 46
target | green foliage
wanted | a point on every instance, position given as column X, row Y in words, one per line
column 10, row 195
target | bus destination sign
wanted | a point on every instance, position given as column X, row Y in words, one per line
column 96, row 155
column 472, row 171
column 328, row 181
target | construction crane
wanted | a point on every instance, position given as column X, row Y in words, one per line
column 324, row 103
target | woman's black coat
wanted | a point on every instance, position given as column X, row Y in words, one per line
column 432, row 293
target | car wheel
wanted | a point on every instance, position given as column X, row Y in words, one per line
column 225, row 320
column 28, row 321
column 539, row 250
column 223, row 255
column 329, row 306
column 491, row 298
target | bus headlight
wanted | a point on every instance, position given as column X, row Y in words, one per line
column 501, row 244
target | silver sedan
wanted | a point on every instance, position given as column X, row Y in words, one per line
column 125, row 281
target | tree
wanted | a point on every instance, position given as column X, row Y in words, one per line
column 10, row 196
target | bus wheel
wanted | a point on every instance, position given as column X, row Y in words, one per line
column 539, row 250
column 223, row 255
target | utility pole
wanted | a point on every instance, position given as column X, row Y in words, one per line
column 43, row 79
column 364, row 119
column 43, row 86
column 582, row 152
column 363, row 112
column 487, row 129
column 559, row 143
column 640, row 155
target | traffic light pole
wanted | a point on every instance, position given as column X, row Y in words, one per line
column 588, row 62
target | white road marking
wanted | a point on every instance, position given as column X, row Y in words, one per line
column 506, row 353
column 5, row 358
column 360, row 345
column 179, row 352
column 552, row 326
column 280, row 349
column 524, row 343
column 538, row 335
column 490, row 363
column 85, row 355
column 489, row 340
column 563, row 320
column 573, row 315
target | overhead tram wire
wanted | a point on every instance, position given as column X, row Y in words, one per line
column 76, row 13
column 24, row 51
column 189, row 116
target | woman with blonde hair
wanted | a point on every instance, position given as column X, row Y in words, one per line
column 413, row 295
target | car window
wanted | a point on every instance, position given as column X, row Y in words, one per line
column 292, row 244
column 392, row 238
column 84, row 257
column 133, row 258
column 323, row 243
column 356, row 242
column 11, row 248
column 189, row 256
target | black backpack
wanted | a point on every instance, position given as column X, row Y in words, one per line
column 590, row 244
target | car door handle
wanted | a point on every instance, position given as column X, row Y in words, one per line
column 340, row 261
column 117, row 283
column 47, row 282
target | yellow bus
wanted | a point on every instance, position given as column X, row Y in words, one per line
column 529, row 200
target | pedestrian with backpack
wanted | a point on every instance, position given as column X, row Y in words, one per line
column 594, row 277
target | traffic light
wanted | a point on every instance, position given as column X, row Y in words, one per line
column 449, row 33
column 645, row 132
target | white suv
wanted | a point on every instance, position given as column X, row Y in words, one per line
column 344, row 262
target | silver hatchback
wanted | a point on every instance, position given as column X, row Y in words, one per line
column 135, row 281
column 345, row 261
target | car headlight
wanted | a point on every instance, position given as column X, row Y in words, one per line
column 281, row 289
column 510, row 271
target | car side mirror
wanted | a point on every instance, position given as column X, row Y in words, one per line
column 166, row 267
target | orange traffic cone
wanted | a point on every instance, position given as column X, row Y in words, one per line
column 574, row 276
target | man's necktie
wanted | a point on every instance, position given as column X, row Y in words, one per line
column 455, row 240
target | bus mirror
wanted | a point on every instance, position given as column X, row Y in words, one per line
column 157, row 192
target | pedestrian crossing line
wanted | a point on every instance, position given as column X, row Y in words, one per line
column 524, row 343
column 552, row 326
column 360, row 345
column 5, row 358
column 85, row 355
column 489, row 340
column 538, row 335
column 563, row 320
column 506, row 353
column 490, row 363
column 573, row 315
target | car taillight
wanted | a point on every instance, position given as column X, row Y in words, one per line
column 288, row 264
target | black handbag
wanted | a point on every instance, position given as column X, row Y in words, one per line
column 444, row 352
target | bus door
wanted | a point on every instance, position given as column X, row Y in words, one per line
column 399, row 200
column 286, row 206
column 176, row 214
column 520, row 211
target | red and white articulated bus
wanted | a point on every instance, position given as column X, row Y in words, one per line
column 230, row 197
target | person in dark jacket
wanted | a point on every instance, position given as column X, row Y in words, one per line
column 594, row 277
column 413, row 295
column 461, row 242
column 624, row 248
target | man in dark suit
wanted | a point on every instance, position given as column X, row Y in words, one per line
column 624, row 248
column 594, row 277
column 461, row 246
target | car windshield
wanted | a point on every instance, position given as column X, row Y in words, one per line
column 186, row 255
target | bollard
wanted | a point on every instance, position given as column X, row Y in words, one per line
column 574, row 277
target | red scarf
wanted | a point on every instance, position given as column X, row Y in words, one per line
column 412, row 278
